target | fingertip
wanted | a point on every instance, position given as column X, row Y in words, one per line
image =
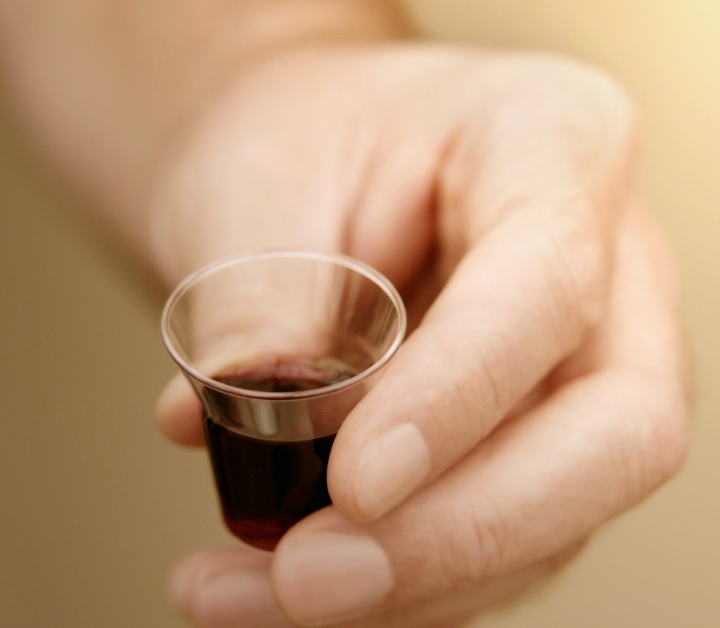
column 388, row 468
column 226, row 588
column 181, row 584
column 323, row 576
column 178, row 413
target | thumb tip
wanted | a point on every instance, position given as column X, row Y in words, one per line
column 178, row 413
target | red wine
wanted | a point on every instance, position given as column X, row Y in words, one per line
column 266, row 486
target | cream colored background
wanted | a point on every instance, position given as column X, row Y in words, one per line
column 96, row 506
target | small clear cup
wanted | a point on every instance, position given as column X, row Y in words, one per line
column 279, row 347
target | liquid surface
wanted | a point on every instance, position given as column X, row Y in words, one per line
column 288, row 375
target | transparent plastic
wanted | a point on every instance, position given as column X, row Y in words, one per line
column 279, row 347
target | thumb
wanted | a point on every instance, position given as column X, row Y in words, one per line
column 178, row 413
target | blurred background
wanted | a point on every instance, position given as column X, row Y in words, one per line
column 96, row 506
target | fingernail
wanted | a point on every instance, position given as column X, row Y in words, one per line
column 329, row 577
column 391, row 467
column 228, row 598
column 231, row 598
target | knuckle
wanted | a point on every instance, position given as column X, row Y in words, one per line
column 481, row 390
column 576, row 261
column 479, row 548
column 595, row 85
column 658, row 445
column 616, row 111
column 668, row 440
column 610, row 93
column 581, row 99
column 486, row 380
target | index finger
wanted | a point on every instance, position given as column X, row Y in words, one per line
column 523, row 297
column 504, row 320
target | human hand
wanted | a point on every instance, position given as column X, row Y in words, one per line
column 541, row 392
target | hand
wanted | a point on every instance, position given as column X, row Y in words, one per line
column 542, row 390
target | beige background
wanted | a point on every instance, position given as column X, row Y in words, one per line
column 96, row 506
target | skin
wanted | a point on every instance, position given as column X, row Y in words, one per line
column 542, row 389
column 545, row 363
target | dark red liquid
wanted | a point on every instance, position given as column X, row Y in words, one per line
column 266, row 486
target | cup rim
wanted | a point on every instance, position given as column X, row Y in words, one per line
column 339, row 259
